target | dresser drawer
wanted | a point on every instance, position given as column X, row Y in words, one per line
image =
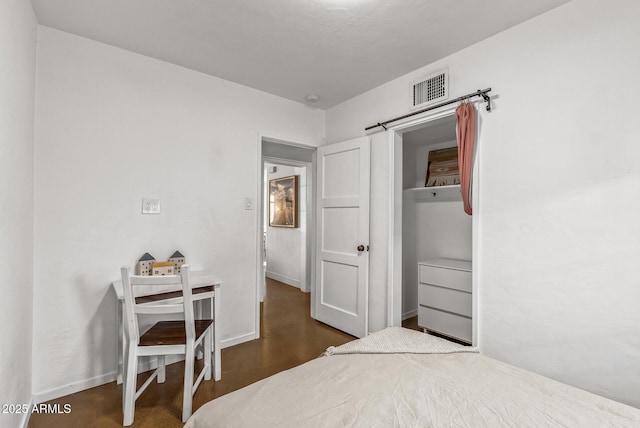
column 446, row 299
column 452, row 325
column 443, row 277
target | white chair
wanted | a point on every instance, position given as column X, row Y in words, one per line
column 164, row 338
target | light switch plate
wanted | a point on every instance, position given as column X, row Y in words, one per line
column 248, row 203
column 150, row 206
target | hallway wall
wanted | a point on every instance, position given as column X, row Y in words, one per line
column 284, row 245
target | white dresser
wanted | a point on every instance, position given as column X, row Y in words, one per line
column 444, row 297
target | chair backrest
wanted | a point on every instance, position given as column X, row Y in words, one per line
column 137, row 285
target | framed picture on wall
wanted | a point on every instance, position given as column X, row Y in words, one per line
column 283, row 201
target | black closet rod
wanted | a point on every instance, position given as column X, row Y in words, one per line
column 478, row 93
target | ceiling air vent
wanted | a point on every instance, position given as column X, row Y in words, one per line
column 431, row 89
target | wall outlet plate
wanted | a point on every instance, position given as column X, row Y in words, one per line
column 150, row 206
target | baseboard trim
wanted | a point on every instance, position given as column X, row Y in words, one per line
column 72, row 388
column 284, row 279
column 81, row 385
column 238, row 340
column 409, row 314
column 150, row 364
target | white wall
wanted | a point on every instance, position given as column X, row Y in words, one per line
column 17, row 86
column 559, row 188
column 113, row 127
column 284, row 244
column 430, row 230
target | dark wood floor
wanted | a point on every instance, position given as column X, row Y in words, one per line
column 288, row 337
column 411, row 323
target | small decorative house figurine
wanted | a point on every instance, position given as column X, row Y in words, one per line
column 163, row 268
column 178, row 260
column 144, row 264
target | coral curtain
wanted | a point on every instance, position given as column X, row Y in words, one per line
column 466, row 132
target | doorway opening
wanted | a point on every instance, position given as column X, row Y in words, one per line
column 285, row 250
column 285, row 227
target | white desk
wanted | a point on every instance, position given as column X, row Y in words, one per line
column 205, row 286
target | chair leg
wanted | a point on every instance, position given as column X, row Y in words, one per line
column 198, row 315
column 123, row 379
column 217, row 364
column 161, row 369
column 208, row 361
column 129, row 386
column 187, row 393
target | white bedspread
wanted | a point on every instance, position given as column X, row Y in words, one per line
column 449, row 386
column 397, row 340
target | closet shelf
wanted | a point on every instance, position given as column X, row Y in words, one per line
column 434, row 194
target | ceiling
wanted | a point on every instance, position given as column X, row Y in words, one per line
column 335, row 49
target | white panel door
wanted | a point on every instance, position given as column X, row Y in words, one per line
column 342, row 256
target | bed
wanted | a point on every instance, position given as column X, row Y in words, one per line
column 404, row 378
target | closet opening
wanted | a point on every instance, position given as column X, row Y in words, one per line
column 431, row 237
